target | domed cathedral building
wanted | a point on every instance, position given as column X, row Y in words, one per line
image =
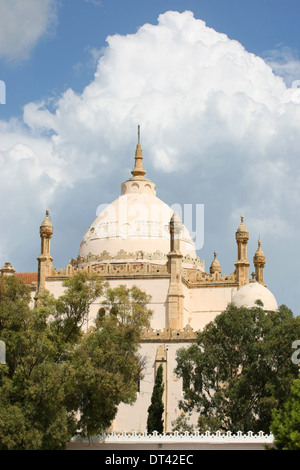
column 139, row 240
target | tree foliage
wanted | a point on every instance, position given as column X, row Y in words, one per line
column 59, row 380
column 285, row 424
column 155, row 420
column 240, row 369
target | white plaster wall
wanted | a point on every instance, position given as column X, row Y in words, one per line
column 174, row 386
column 202, row 305
column 134, row 417
column 55, row 287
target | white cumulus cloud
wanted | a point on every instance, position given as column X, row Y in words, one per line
column 202, row 100
column 215, row 120
column 22, row 24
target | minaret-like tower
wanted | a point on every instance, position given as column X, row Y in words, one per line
column 242, row 264
column 175, row 295
column 259, row 261
column 44, row 259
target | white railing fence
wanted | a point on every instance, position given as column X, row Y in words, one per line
column 195, row 439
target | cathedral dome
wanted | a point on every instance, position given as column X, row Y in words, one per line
column 247, row 295
column 135, row 222
column 134, row 226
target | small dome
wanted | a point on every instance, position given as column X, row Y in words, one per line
column 259, row 257
column 46, row 227
column 247, row 295
column 215, row 265
column 242, row 232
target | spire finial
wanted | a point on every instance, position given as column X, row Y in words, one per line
column 138, row 170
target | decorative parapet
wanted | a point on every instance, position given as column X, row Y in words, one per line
column 192, row 277
column 196, row 278
column 189, row 437
column 137, row 255
column 143, row 264
column 131, row 269
column 114, row 269
column 196, row 262
column 195, row 440
column 121, row 255
column 186, row 335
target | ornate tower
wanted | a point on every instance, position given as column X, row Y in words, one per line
column 44, row 259
column 242, row 264
column 259, row 261
column 175, row 295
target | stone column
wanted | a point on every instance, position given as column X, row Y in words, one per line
column 242, row 264
column 175, row 295
column 44, row 259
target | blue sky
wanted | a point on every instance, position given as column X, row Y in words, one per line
column 241, row 140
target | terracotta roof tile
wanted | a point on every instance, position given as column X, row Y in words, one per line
column 28, row 278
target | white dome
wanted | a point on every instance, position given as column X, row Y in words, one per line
column 132, row 223
column 134, row 226
column 247, row 295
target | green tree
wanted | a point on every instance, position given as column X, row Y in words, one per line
column 155, row 420
column 111, row 354
column 181, row 424
column 59, row 380
column 285, row 424
column 240, row 369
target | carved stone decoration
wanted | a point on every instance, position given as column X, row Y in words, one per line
column 122, row 255
column 187, row 334
column 113, row 269
column 195, row 277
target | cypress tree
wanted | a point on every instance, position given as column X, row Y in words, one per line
column 155, row 411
